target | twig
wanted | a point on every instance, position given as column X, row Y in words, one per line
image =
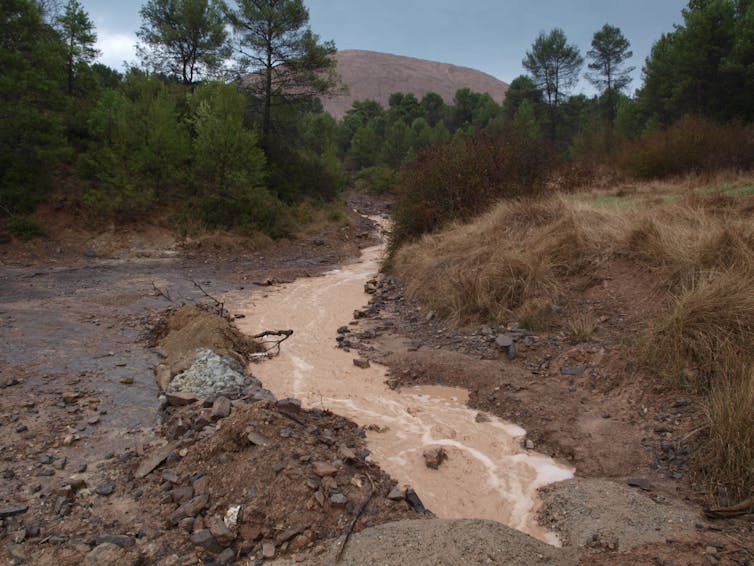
column 218, row 304
column 284, row 334
column 161, row 293
column 356, row 516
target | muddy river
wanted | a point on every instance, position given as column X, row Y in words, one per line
column 487, row 474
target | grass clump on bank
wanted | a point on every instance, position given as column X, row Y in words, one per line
column 524, row 256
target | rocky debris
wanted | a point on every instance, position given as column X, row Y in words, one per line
column 212, row 375
column 123, row 541
column 361, row 363
column 105, row 553
column 154, row 460
column 434, row 457
column 221, row 408
column 13, row 510
column 396, row 493
column 641, row 483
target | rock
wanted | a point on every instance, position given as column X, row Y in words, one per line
column 205, row 539
column 396, row 494
column 288, row 534
column 257, row 439
column 641, row 483
column 212, row 375
column 323, row 469
column 338, row 500
column 181, row 398
column 105, row 553
column 13, row 510
column 127, row 380
column 346, row 453
column 504, row 341
column 190, row 509
column 122, row 541
column 512, row 352
column 231, row 517
column 344, row 330
column 529, row 444
column 153, row 460
column 21, row 428
column 415, row 503
column 481, row 418
column 105, row 490
column 361, row 363
column 169, row 476
column 162, row 376
column 181, row 494
column 221, row 408
column 220, row 531
column 268, row 550
column 201, row 485
column 433, row 457
column 568, row 370
column 225, row 557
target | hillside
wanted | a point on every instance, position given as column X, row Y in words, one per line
column 369, row 74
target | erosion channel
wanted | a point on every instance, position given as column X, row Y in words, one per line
column 487, row 474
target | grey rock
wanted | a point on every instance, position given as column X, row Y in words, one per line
column 205, row 539
column 221, row 408
column 153, row 460
column 105, row 490
column 268, row 550
column 105, row 553
column 641, row 483
column 220, row 531
column 433, row 457
column 13, row 510
column 225, row 557
column 338, row 500
column 190, row 509
column 504, row 341
column 181, row 494
column 569, row 370
column 396, row 494
column 512, row 352
column 212, row 375
column 361, row 363
column 21, row 428
column 123, row 541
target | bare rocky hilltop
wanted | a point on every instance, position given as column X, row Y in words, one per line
column 369, row 74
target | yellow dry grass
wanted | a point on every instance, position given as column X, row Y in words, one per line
column 514, row 261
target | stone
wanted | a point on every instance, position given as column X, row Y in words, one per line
column 361, row 363
column 504, row 341
column 641, row 483
column 433, row 457
column 323, row 469
column 268, row 550
column 529, row 444
column 225, row 557
column 105, row 490
column 153, row 460
column 127, row 380
column 415, row 503
column 568, row 370
column 181, row 398
column 231, row 517
column 201, row 485
column 212, row 375
column 21, row 428
column 123, row 541
column 338, row 500
column 181, row 494
column 13, row 510
column 481, row 418
column 220, row 531
column 169, row 476
column 396, row 493
column 205, row 539
column 105, row 553
column 512, row 352
column 257, row 439
column 221, row 408
column 346, row 453
column 191, row 508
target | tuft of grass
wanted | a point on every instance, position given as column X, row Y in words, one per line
column 726, row 457
column 582, row 327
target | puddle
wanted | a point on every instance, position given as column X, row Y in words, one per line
column 487, row 474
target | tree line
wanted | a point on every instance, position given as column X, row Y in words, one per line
column 222, row 120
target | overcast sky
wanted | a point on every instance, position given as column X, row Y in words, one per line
column 489, row 35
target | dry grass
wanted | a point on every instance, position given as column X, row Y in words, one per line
column 727, row 456
column 582, row 327
column 523, row 256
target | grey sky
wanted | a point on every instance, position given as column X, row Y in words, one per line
column 488, row 35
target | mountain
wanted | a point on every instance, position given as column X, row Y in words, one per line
column 374, row 75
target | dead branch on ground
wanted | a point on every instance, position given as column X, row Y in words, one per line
column 274, row 349
column 356, row 516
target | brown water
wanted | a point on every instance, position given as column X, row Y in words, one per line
column 486, row 476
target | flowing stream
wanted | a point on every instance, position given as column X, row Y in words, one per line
column 487, row 474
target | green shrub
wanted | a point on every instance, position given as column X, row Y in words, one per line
column 379, row 179
column 24, row 227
